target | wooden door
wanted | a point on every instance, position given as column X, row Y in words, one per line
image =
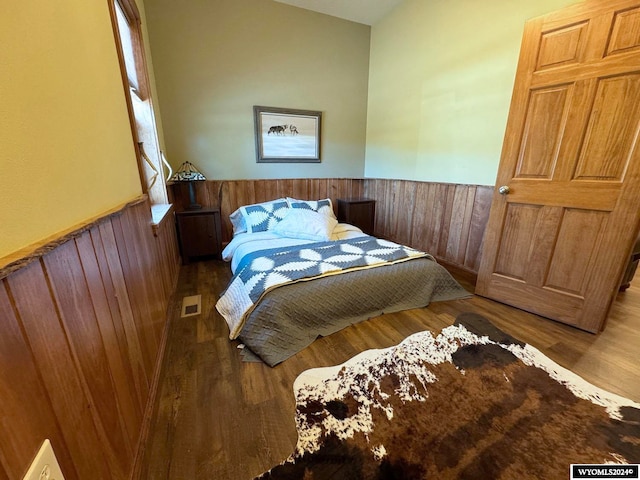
column 558, row 239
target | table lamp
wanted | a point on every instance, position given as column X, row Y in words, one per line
column 190, row 174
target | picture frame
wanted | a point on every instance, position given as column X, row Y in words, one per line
column 287, row 135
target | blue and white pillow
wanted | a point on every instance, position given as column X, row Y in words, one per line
column 320, row 206
column 261, row 217
column 237, row 221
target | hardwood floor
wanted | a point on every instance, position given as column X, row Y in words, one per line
column 220, row 418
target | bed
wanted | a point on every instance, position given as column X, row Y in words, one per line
column 299, row 274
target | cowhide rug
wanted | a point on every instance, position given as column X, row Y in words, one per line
column 469, row 403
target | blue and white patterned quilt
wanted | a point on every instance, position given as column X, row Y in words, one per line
column 264, row 270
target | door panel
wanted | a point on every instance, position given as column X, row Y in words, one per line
column 519, row 227
column 557, row 243
column 625, row 34
column 610, row 133
column 562, row 46
column 578, row 236
column 542, row 135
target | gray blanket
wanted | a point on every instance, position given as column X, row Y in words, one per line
column 264, row 270
column 289, row 318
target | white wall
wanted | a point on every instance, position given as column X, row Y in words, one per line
column 440, row 82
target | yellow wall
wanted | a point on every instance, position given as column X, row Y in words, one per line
column 67, row 153
column 440, row 84
column 215, row 59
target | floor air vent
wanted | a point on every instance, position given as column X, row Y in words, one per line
column 191, row 306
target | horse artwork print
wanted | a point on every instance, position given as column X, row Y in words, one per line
column 287, row 135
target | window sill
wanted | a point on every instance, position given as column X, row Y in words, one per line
column 159, row 213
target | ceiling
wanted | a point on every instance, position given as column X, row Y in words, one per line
column 361, row 11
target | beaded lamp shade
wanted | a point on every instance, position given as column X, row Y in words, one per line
column 188, row 173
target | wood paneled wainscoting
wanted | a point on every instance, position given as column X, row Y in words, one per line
column 82, row 322
column 444, row 219
column 228, row 195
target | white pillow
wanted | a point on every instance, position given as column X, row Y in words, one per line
column 321, row 206
column 306, row 224
column 261, row 217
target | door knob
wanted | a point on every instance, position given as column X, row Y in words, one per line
column 504, row 190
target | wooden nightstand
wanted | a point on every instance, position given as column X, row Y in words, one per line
column 199, row 233
column 360, row 212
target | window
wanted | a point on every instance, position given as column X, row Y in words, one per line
column 128, row 33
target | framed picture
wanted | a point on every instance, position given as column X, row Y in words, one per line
column 287, row 135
